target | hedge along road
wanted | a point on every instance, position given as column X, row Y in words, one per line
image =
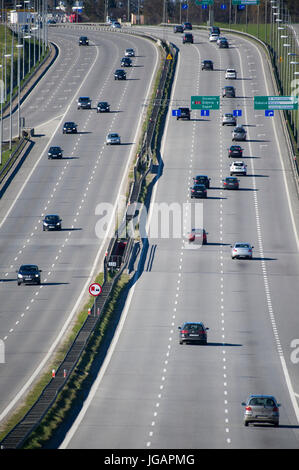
column 174, row 396
column 33, row 318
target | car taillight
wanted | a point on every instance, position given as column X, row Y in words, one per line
column 275, row 408
column 234, row 249
column 248, row 408
column 184, row 331
column 192, row 190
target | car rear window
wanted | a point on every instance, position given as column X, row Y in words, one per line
column 261, row 401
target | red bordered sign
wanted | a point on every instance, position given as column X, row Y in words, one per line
column 95, row 289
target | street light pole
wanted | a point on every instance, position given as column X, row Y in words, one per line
column 11, row 92
column 19, row 46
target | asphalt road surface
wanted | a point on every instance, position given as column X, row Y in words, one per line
column 153, row 392
column 33, row 318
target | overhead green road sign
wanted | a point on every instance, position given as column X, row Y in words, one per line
column 276, row 102
column 205, row 102
column 204, row 2
column 246, row 2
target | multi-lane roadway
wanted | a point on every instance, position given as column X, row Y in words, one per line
column 153, row 392
column 34, row 318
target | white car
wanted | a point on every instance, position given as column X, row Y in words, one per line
column 242, row 250
column 228, row 119
column 113, row 139
column 238, row 168
column 231, row 74
column 213, row 37
column 129, row 52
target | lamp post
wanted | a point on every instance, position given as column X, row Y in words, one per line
column 1, row 110
column 19, row 47
column 11, row 91
column 28, row 36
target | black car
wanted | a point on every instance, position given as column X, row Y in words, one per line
column 103, row 107
column 223, row 44
column 207, row 65
column 84, row 102
column 178, row 29
column 193, row 332
column 235, row 151
column 214, row 30
column 54, row 152
column 83, row 41
column 198, row 190
column 52, row 222
column 228, row 92
column 126, row 62
column 187, row 25
column 230, row 182
column 202, row 179
column 28, row 274
column 184, row 114
column 69, row 128
column 120, row 74
column 188, row 37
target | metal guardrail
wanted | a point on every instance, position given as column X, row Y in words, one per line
column 12, row 159
column 20, row 433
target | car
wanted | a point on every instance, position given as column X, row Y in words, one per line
column 235, row 151
column 28, row 274
column 188, row 37
column 220, row 38
column 129, row 52
column 228, row 119
column 116, row 25
column 187, row 26
column 261, row 409
column 184, row 114
column 231, row 74
column 238, row 168
column 178, row 28
column 198, row 190
column 84, row 102
column 103, row 107
column 54, row 152
column 83, row 41
column 52, row 222
column 213, row 37
column 214, row 29
column 207, row 65
column 120, row 74
column 239, row 133
column 113, row 139
column 228, row 92
column 241, row 250
column 69, row 128
column 223, row 44
column 202, row 179
column 230, row 182
column 193, row 332
column 126, row 62
column 198, row 235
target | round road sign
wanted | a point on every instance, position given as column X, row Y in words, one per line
column 95, row 289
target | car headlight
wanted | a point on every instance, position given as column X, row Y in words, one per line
column 37, row 275
column 46, row 224
column 20, row 276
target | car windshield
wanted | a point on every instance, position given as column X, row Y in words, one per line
column 70, row 124
column 113, row 135
column 261, row 401
column 238, row 164
column 103, row 104
column 51, row 218
column 84, row 98
column 193, row 327
column 28, row 268
column 231, row 71
column 229, row 115
column 231, row 180
column 54, row 149
column 242, row 245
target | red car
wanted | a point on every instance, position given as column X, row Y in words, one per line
column 198, row 235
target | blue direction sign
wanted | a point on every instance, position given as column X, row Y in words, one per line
column 269, row 112
column 176, row 112
column 204, row 6
column 237, row 112
column 184, row 6
column 205, row 112
column 223, row 6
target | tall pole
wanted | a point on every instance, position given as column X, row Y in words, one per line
column 19, row 87
column 1, row 110
column 11, row 92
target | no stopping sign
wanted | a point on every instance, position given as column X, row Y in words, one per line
column 95, row 289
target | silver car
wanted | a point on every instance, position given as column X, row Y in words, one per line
column 113, row 139
column 238, row 168
column 261, row 409
column 129, row 52
column 231, row 74
column 228, row 119
column 239, row 133
column 242, row 250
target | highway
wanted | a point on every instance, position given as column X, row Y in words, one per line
column 33, row 319
column 152, row 392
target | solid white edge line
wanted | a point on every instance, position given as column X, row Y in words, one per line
column 282, row 359
column 84, row 290
column 119, row 328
